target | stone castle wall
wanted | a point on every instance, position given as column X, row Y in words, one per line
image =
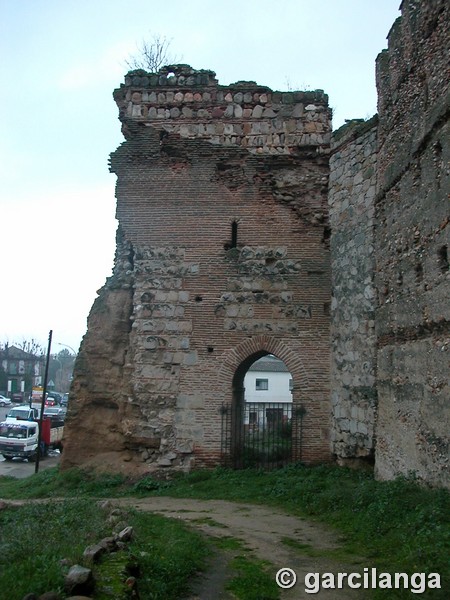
column 351, row 199
column 412, row 240
column 389, row 215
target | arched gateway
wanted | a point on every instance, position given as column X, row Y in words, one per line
column 222, row 257
column 281, row 433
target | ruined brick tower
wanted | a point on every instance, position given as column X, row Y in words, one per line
column 222, row 257
column 227, row 251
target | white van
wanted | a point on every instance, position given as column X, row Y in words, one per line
column 23, row 412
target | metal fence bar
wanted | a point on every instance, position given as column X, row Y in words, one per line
column 256, row 434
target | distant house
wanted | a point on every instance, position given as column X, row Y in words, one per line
column 268, row 380
column 268, row 395
column 20, row 371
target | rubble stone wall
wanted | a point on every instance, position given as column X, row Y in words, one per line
column 412, row 240
column 351, row 199
column 191, row 104
column 389, row 217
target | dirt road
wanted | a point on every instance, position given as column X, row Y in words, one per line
column 262, row 531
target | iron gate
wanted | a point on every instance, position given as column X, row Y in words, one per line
column 261, row 434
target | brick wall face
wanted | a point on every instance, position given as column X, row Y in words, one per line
column 222, row 249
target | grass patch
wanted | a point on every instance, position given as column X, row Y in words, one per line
column 169, row 555
column 209, row 521
column 253, row 580
column 73, row 483
column 338, row 554
column 228, row 543
column 34, row 538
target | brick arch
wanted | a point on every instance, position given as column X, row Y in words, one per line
column 260, row 345
column 235, row 364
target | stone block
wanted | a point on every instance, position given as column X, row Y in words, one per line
column 190, row 358
column 190, row 402
column 257, row 112
column 185, row 446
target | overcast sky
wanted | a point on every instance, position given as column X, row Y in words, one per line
column 60, row 62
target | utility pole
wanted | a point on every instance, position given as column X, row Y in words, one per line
column 41, row 416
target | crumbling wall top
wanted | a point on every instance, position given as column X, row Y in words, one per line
column 172, row 75
column 181, row 75
column 192, row 104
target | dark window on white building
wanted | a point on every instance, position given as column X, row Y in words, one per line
column 262, row 384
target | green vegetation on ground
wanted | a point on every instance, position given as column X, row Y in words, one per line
column 397, row 526
column 253, row 580
column 36, row 537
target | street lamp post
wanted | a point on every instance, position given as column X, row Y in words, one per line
column 67, row 346
column 74, row 357
column 58, row 387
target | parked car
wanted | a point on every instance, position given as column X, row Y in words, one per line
column 55, row 413
column 4, row 401
column 23, row 412
column 56, row 396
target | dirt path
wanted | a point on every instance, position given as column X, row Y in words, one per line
column 261, row 530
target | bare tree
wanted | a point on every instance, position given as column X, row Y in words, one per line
column 152, row 55
column 29, row 346
column 32, row 347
